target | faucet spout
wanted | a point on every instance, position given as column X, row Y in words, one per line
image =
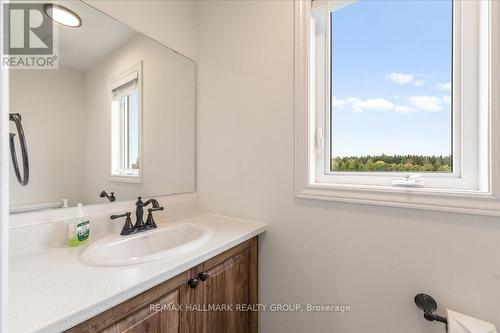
column 153, row 202
column 139, row 211
column 111, row 197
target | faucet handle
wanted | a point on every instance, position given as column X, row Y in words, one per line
column 128, row 227
column 127, row 214
column 150, row 222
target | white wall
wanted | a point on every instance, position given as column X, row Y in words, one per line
column 170, row 22
column 56, row 166
column 375, row 259
column 168, row 121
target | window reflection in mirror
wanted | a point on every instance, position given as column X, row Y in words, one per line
column 125, row 127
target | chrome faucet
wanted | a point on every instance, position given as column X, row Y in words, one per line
column 139, row 226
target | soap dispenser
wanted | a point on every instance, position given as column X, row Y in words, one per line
column 78, row 229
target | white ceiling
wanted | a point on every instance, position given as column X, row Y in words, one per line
column 83, row 47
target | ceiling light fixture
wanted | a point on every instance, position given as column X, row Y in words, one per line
column 62, row 15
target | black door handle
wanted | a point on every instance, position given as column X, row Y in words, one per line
column 203, row 276
column 193, row 282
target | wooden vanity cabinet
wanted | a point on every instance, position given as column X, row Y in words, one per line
column 223, row 286
column 231, row 281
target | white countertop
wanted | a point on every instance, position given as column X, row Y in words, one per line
column 52, row 290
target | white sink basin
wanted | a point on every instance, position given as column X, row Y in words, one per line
column 169, row 240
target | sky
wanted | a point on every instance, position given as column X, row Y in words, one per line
column 391, row 78
column 134, row 129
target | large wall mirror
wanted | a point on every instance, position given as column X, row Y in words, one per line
column 118, row 115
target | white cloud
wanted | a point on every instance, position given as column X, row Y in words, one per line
column 404, row 109
column 378, row 104
column 427, row 103
column 444, row 86
column 356, row 104
column 400, row 78
column 419, row 83
column 417, row 104
column 405, row 78
column 338, row 103
column 372, row 104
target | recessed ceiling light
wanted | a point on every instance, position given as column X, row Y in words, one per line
column 62, row 15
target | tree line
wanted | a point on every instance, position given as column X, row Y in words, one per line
column 402, row 163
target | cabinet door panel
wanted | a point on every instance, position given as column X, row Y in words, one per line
column 227, row 285
column 146, row 320
column 135, row 315
column 189, row 299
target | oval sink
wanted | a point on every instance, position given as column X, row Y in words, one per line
column 115, row 250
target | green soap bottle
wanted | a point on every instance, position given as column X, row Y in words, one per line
column 78, row 229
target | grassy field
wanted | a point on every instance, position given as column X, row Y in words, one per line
column 387, row 163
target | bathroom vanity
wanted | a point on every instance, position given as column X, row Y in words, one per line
column 181, row 303
column 75, row 296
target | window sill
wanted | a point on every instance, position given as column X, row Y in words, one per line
column 455, row 201
column 126, row 179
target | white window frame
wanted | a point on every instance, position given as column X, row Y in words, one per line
column 472, row 187
column 119, row 80
column 465, row 143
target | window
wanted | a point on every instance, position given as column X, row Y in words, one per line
column 391, row 83
column 388, row 95
column 393, row 97
column 125, row 127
